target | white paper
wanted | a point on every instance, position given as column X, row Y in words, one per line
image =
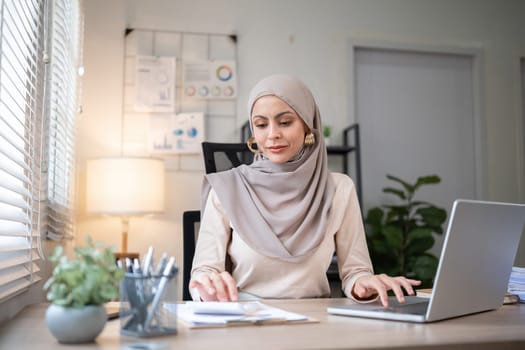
column 176, row 134
column 209, row 79
column 221, row 313
column 155, row 84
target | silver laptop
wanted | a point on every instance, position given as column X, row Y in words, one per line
column 474, row 268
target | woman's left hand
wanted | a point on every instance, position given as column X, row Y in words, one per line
column 367, row 286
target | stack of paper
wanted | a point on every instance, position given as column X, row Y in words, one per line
column 222, row 314
column 517, row 282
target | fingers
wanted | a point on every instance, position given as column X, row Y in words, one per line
column 225, row 286
column 382, row 291
column 381, row 284
column 394, row 285
column 204, row 287
column 368, row 286
column 232, row 286
column 216, row 287
column 407, row 284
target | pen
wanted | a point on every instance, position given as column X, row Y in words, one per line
column 148, row 262
column 129, row 265
column 137, row 270
column 162, row 264
column 160, row 290
column 256, row 321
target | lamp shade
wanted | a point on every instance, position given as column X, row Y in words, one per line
column 125, row 186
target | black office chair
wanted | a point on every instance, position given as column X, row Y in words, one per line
column 217, row 157
column 224, row 156
column 190, row 229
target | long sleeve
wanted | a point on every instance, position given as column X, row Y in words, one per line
column 351, row 249
column 212, row 241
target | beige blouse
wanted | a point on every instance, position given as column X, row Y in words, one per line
column 266, row 277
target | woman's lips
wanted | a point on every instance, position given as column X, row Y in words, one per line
column 276, row 149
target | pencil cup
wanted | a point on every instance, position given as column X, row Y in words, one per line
column 148, row 305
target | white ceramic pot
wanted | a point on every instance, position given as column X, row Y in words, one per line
column 71, row 325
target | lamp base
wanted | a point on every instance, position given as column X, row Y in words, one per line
column 124, row 255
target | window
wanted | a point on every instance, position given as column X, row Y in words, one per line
column 21, row 86
column 37, row 117
column 58, row 166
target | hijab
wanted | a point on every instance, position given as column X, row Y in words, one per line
column 280, row 210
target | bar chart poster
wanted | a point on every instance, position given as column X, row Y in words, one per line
column 155, row 84
column 176, row 134
column 209, row 79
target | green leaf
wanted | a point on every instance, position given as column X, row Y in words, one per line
column 427, row 180
column 394, row 237
column 396, row 211
column 380, row 247
column 395, row 191
column 385, row 263
column 419, row 232
column 408, row 187
column 57, row 253
column 425, row 266
column 420, row 203
column 419, row 241
column 432, row 216
column 374, row 216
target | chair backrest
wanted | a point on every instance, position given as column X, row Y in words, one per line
column 224, row 156
column 190, row 228
column 245, row 131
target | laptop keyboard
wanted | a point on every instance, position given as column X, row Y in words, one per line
column 413, row 309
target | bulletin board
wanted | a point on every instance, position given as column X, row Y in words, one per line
column 180, row 89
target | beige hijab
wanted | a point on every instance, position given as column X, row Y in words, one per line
column 280, row 210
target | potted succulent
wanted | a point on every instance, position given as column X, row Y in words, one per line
column 399, row 236
column 77, row 290
column 327, row 131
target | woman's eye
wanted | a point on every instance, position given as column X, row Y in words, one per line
column 285, row 122
column 260, row 126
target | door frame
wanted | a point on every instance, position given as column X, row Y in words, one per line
column 519, row 108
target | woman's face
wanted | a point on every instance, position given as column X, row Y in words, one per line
column 278, row 130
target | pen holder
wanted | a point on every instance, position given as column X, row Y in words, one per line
column 148, row 305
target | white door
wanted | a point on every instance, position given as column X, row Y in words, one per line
column 416, row 116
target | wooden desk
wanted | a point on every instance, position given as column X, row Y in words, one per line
column 501, row 329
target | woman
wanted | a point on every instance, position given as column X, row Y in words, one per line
column 281, row 218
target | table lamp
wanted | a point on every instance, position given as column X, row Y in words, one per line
column 125, row 187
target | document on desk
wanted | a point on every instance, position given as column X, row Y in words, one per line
column 226, row 314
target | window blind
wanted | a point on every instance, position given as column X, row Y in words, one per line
column 21, row 87
column 62, row 90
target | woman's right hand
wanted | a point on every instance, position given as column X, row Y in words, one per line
column 215, row 286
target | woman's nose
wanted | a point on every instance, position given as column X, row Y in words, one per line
column 274, row 131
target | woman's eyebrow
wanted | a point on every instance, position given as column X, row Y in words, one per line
column 278, row 115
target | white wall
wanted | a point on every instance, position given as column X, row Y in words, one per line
column 310, row 39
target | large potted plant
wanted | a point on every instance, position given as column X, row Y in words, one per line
column 399, row 236
column 77, row 289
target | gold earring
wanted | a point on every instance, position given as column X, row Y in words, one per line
column 250, row 143
column 309, row 139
